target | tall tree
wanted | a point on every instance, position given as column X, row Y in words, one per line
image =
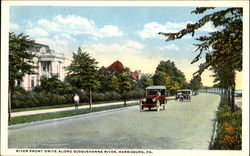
column 167, row 74
column 20, row 61
column 123, row 83
column 145, row 81
column 223, row 46
column 83, row 73
column 195, row 83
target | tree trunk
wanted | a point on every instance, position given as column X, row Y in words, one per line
column 228, row 95
column 232, row 99
column 90, row 100
column 125, row 99
column 9, row 103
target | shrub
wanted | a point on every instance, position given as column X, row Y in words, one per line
column 24, row 99
column 229, row 131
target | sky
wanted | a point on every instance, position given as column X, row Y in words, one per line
column 127, row 34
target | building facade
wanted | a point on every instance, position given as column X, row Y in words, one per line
column 48, row 63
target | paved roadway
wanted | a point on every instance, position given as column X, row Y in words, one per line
column 183, row 125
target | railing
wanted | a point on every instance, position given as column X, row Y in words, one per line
column 51, row 54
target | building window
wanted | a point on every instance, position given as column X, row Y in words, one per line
column 45, row 65
column 18, row 83
column 32, row 82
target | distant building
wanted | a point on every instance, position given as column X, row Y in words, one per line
column 48, row 63
column 136, row 75
column 118, row 66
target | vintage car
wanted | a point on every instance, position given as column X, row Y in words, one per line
column 184, row 94
column 155, row 98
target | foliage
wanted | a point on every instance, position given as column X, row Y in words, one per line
column 20, row 60
column 224, row 41
column 25, row 99
column 168, row 75
column 229, row 131
column 106, row 82
column 123, row 83
column 195, row 83
column 31, row 99
column 83, row 72
column 222, row 48
column 145, row 81
column 54, row 86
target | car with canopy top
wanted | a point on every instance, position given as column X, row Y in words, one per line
column 155, row 98
column 184, row 94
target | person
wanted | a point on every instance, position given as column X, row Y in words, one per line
column 76, row 100
column 158, row 93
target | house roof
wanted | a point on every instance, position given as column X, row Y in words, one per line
column 184, row 90
column 135, row 75
column 117, row 65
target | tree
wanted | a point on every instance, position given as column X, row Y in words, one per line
column 106, row 82
column 123, row 83
column 55, row 86
column 168, row 75
column 20, row 61
column 83, row 73
column 145, row 81
column 195, row 83
column 221, row 47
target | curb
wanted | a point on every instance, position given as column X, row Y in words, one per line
column 214, row 134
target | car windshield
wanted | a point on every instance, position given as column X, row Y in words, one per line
column 155, row 92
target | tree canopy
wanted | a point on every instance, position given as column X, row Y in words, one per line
column 195, row 83
column 83, row 72
column 226, row 42
column 168, row 75
column 20, row 60
column 55, row 86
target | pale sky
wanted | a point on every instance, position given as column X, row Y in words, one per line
column 128, row 34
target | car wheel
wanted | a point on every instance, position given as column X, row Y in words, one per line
column 141, row 107
column 164, row 107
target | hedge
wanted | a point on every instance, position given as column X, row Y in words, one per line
column 25, row 99
column 229, row 131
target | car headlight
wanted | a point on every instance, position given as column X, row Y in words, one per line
column 153, row 99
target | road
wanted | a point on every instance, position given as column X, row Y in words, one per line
column 183, row 125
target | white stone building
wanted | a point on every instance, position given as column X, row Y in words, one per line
column 48, row 63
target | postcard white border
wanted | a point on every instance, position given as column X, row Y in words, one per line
column 245, row 105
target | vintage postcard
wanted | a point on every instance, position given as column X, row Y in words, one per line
column 125, row 78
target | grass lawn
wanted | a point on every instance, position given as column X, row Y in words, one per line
column 59, row 106
column 32, row 118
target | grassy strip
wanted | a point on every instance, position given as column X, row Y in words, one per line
column 59, row 106
column 229, row 130
column 32, row 118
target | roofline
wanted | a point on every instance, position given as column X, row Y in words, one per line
column 185, row 90
column 41, row 44
column 156, row 87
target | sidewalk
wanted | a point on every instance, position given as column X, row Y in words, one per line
column 53, row 110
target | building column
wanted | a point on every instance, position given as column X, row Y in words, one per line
column 52, row 69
